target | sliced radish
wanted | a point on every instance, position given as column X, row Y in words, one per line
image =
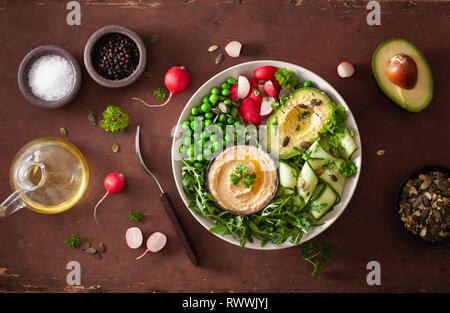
column 155, row 243
column 243, row 87
column 253, row 82
column 255, row 95
column 270, row 89
column 133, row 237
column 233, row 48
column 266, row 106
column 265, row 73
column 345, row 69
column 234, row 92
column 249, row 111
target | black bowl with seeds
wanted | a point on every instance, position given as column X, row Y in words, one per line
column 115, row 56
column 422, row 206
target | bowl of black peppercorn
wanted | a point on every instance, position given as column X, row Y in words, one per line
column 115, row 56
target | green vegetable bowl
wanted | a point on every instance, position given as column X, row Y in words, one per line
column 247, row 70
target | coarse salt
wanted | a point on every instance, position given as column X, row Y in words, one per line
column 51, row 77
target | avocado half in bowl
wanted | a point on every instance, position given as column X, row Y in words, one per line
column 403, row 73
column 243, row 179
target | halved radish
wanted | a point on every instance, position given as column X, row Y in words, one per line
column 345, row 69
column 265, row 73
column 249, row 111
column 255, row 95
column 133, row 237
column 155, row 243
column 266, row 106
column 243, row 87
column 233, row 48
column 270, row 89
column 234, row 92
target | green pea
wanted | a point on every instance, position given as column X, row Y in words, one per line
column 205, row 99
column 213, row 98
column 216, row 146
column 191, row 151
column 207, row 152
column 205, row 107
column 228, row 138
column 225, row 86
column 222, row 118
column 196, row 136
column 194, row 111
column 225, row 92
column 237, row 123
column 230, row 121
column 209, row 115
column 220, row 124
column 186, row 141
column 198, row 164
column 191, row 118
column 307, row 83
column 213, row 137
column 208, row 122
column 181, row 150
column 185, row 125
column 215, row 91
column 204, row 135
column 196, row 125
column 201, row 143
column 239, row 132
column 227, row 101
column 234, row 112
column 231, row 81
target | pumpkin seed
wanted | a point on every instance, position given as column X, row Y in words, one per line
column 154, row 39
column 63, row 132
column 92, row 117
column 97, row 255
column 91, row 251
column 333, row 178
column 101, row 248
column 285, row 141
column 305, row 145
column 316, row 102
column 381, row 152
column 116, row 148
column 319, row 171
column 86, row 246
column 219, row 58
column 213, row 48
column 148, row 74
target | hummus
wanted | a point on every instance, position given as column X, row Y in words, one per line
column 240, row 199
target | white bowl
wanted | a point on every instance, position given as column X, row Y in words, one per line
column 247, row 69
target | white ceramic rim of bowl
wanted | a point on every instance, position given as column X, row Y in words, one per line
column 247, row 69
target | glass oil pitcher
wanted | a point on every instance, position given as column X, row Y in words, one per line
column 47, row 175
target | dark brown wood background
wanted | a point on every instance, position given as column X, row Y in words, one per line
column 314, row 34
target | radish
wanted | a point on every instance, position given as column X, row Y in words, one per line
column 233, row 48
column 345, row 69
column 265, row 73
column 133, row 237
column 270, row 89
column 243, row 87
column 266, row 106
column 114, row 183
column 249, row 111
column 155, row 243
column 255, row 91
column 176, row 80
column 234, row 92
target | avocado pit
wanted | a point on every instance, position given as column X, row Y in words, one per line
column 402, row 71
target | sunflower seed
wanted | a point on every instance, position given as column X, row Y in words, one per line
column 86, row 246
column 63, row 132
column 213, row 48
column 219, row 58
column 381, row 152
column 116, row 148
column 154, row 39
column 91, row 251
column 101, row 248
column 97, row 255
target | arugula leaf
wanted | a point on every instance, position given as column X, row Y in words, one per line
column 316, row 254
column 136, row 216
column 160, row 93
column 114, row 119
column 348, row 169
column 73, row 241
column 287, row 79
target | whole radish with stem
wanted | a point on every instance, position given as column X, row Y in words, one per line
column 155, row 243
column 176, row 80
column 114, row 183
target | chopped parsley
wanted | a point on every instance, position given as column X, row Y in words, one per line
column 73, row 241
column 316, row 254
column 240, row 176
column 287, row 79
column 160, row 93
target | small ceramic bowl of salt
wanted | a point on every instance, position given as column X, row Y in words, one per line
column 49, row 77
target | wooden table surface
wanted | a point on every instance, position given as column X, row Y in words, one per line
column 314, row 34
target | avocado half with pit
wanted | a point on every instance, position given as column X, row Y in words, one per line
column 297, row 124
column 403, row 73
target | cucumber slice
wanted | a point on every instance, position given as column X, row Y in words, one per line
column 327, row 199
column 348, row 145
column 333, row 178
column 318, row 191
column 306, row 182
column 319, row 157
column 288, row 175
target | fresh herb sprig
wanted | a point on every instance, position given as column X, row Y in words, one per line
column 114, row 119
column 160, row 93
column 316, row 254
column 240, row 176
column 287, row 79
column 73, row 241
column 136, row 216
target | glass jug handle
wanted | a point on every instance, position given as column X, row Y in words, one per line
column 12, row 204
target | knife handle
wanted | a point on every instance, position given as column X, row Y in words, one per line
column 178, row 227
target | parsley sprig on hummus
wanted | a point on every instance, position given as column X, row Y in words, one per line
column 240, row 176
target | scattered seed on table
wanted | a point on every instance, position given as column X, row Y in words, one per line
column 219, row 58
column 381, row 152
column 90, row 251
column 154, row 39
column 101, row 247
column 148, row 74
column 213, row 48
column 97, row 255
column 115, row 148
column 63, row 132
column 86, row 246
column 92, row 117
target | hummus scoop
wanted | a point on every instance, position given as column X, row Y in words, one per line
column 238, row 197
